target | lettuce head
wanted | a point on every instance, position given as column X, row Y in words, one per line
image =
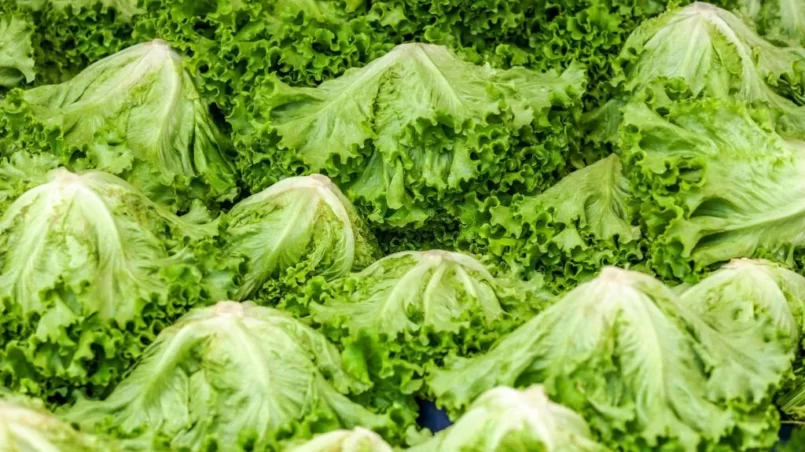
column 90, row 271
column 135, row 114
column 358, row 439
column 298, row 228
column 412, row 308
column 236, row 375
column 505, row 419
column 637, row 364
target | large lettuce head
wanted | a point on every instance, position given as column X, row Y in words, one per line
column 642, row 369
column 26, row 426
column 417, row 307
column 567, row 233
column 297, row 228
column 91, row 270
column 705, row 50
column 358, row 439
column 715, row 182
column 409, row 135
column 136, row 114
column 504, row 419
column 16, row 52
column 235, row 374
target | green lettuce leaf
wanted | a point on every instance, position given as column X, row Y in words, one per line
column 568, row 233
column 136, row 114
column 90, row 272
column 642, row 369
column 16, row 52
column 409, row 134
column 715, row 182
column 298, row 228
column 234, row 44
column 506, row 419
column 236, row 375
column 356, row 440
column 414, row 308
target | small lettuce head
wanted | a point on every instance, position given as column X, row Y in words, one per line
column 90, row 271
column 504, row 419
column 298, row 228
column 135, row 114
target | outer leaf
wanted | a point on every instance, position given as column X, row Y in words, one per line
column 506, row 419
column 779, row 20
column 357, row 440
column 234, row 375
column 291, row 231
column 409, row 134
column 16, row 61
column 26, row 426
column 644, row 371
column 569, row 232
column 136, row 114
column 716, row 183
column 91, row 271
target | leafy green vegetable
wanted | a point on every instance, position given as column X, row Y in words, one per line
column 356, row 440
column 715, row 183
column 654, row 375
column 16, row 61
column 236, row 375
column 234, row 44
column 585, row 221
column 409, row 135
column 26, row 426
column 297, row 228
column 505, row 419
column 702, row 50
column 69, row 35
column 750, row 297
column 778, row 20
column 91, row 271
column 414, row 308
column 136, row 114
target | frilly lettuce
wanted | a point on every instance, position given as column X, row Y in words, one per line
column 505, row 419
column 91, row 271
column 568, row 233
column 409, row 134
column 777, row 20
column 237, row 375
column 298, row 228
column 654, row 374
column 412, row 308
column 136, row 114
column 705, row 50
column 715, row 182
column 16, row 51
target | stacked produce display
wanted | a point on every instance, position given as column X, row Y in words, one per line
column 264, row 225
